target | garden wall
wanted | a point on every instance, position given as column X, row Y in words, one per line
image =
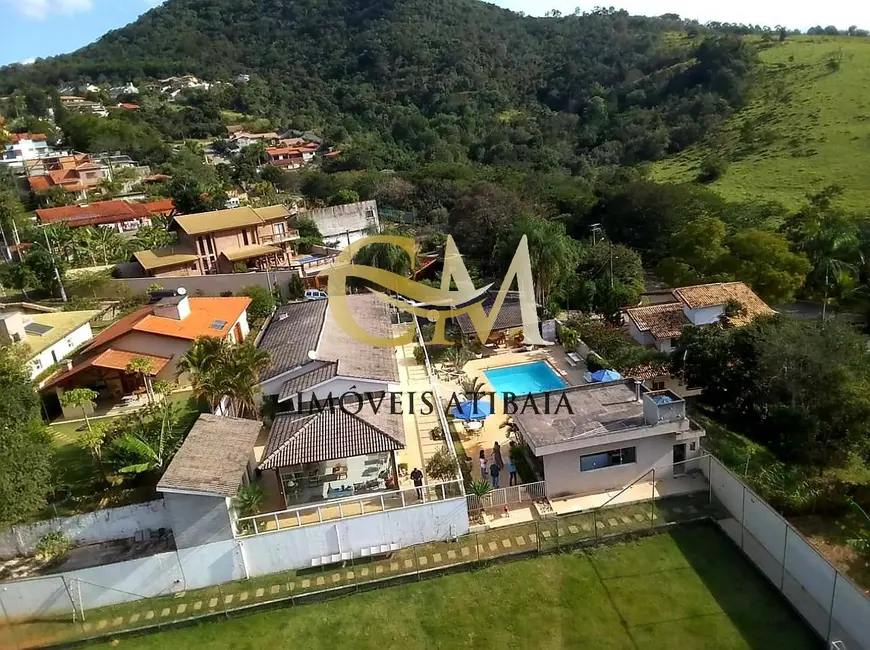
column 111, row 584
column 210, row 285
column 296, row 547
column 90, row 528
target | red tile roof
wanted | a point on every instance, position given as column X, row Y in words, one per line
column 120, row 359
column 663, row 321
column 95, row 213
column 15, row 138
column 166, row 207
column 129, row 107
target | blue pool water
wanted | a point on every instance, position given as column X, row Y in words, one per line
column 536, row 377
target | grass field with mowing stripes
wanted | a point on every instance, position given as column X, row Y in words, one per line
column 690, row 588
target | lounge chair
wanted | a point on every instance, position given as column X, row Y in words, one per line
column 570, row 361
column 575, row 357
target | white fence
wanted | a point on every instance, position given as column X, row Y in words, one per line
column 338, row 509
column 829, row 602
column 90, row 528
column 507, row 495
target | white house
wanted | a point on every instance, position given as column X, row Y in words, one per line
column 660, row 325
column 24, row 147
column 51, row 336
column 613, row 434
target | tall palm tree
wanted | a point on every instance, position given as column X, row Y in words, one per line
column 241, row 372
column 84, row 245
column 202, row 362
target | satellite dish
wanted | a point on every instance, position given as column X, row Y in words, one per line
column 312, row 354
column 181, row 291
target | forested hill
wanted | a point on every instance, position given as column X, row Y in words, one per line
column 436, row 79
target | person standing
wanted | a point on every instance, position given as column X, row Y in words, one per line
column 496, row 455
column 483, row 476
column 417, row 477
column 494, row 471
column 512, row 471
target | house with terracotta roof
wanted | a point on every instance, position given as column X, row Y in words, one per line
column 81, row 173
column 120, row 215
column 223, row 240
column 661, row 324
column 290, row 156
column 161, row 333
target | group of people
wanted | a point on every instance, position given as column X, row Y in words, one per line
column 496, row 466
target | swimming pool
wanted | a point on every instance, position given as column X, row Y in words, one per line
column 535, row 377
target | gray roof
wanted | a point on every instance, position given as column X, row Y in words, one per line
column 320, row 372
column 597, row 409
column 509, row 317
column 298, row 438
column 291, row 335
column 358, row 359
column 213, row 458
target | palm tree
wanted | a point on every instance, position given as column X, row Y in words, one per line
column 152, row 456
column 110, row 244
column 471, row 386
column 242, row 368
column 83, row 244
column 457, row 356
column 83, row 398
column 202, row 362
column 388, row 257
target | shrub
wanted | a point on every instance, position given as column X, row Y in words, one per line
column 442, row 466
column 295, row 288
column 262, row 302
column 249, row 500
column 595, row 362
column 419, row 355
column 240, row 267
column 521, row 462
column 226, row 294
column 52, row 547
column 570, row 338
column 713, row 167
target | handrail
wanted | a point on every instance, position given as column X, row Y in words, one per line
column 646, row 473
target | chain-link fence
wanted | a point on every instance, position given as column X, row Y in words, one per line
column 546, row 535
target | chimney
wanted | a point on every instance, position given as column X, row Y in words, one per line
column 12, row 327
column 177, row 308
column 67, row 365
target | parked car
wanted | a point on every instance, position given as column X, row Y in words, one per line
column 315, row 294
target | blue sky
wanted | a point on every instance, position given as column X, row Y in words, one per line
column 47, row 27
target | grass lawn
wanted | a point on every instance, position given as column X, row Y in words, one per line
column 78, row 473
column 805, row 127
column 690, row 588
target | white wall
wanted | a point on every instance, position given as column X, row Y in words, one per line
column 705, row 315
column 110, row 584
column 89, row 528
column 207, row 285
column 295, row 548
column 644, row 338
column 564, row 478
column 61, row 349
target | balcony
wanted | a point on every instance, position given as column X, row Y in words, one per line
column 280, row 237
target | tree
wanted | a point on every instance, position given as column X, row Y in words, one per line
column 553, row 254
column 25, row 473
column 83, row 398
column 262, row 302
column 249, row 500
column 765, row 380
column 192, row 194
column 697, row 253
column 201, row 362
column 308, row 231
column 763, row 260
column 92, row 441
column 441, row 466
column 608, row 277
column 144, row 367
column 344, row 196
column 388, row 257
column 296, row 288
column 150, row 454
column 480, row 215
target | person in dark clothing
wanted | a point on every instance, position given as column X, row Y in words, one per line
column 417, row 477
column 494, row 471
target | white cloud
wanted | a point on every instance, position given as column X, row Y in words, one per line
column 42, row 9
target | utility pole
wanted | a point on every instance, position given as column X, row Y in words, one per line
column 54, row 263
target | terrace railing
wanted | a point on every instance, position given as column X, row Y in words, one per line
column 507, row 496
column 365, row 504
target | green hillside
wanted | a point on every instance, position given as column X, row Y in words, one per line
column 807, row 126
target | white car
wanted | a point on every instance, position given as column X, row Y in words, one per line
column 315, row 294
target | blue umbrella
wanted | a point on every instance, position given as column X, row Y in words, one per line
column 606, row 375
column 472, row 410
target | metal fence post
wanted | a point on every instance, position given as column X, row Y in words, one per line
column 784, row 553
column 743, row 518
column 709, row 479
column 652, row 503
column 831, row 611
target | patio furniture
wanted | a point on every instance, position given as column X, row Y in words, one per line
column 573, row 356
column 570, row 361
column 337, row 490
column 473, row 426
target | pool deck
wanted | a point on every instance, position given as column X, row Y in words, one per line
column 494, row 427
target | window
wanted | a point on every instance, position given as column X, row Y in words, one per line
column 658, row 384
column 208, row 240
column 245, row 237
column 611, row 458
column 691, row 446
